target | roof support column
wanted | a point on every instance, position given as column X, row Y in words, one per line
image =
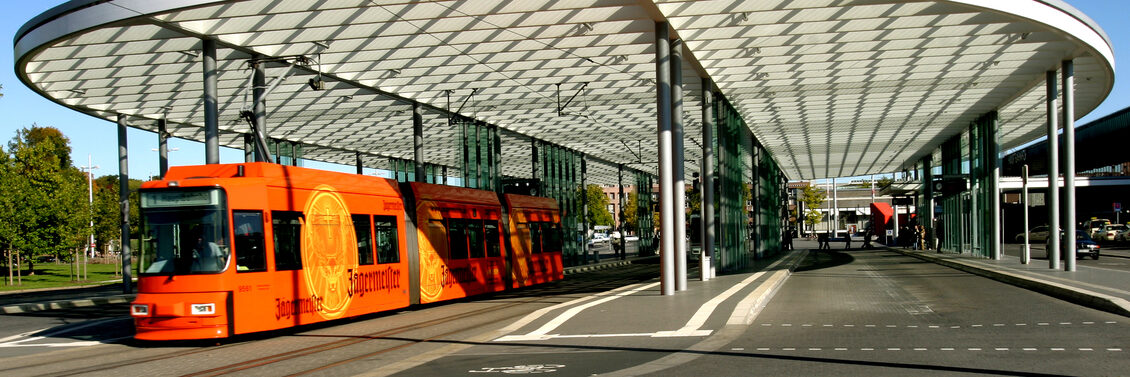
column 248, row 148
column 993, row 162
column 678, row 180
column 1053, row 173
column 623, row 254
column 360, row 167
column 666, row 170
column 163, row 146
column 1068, row 80
column 927, row 200
column 211, row 112
column 707, row 174
column 123, row 203
column 585, row 210
column 258, row 92
column 418, row 141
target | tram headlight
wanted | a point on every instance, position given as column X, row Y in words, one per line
column 202, row 309
column 139, row 310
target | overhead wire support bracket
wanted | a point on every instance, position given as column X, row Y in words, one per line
column 561, row 107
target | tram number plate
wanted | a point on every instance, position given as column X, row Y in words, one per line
column 521, row 369
column 245, row 288
column 203, row 309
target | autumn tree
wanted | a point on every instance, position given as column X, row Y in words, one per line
column 813, row 197
column 598, row 206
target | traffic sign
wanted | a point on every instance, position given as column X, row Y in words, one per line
column 1117, row 206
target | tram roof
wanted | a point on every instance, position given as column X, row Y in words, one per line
column 829, row 87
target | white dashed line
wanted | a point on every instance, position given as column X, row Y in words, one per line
column 1022, row 324
column 1110, row 322
column 1088, row 323
column 1042, row 324
column 894, row 349
column 1001, row 349
column 1086, row 349
column 788, row 349
column 813, row 349
column 737, row 349
column 921, row 349
column 1057, row 349
column 866, row 349
column 947, row 349
column 1114, row 349
column 976, row 326
column 1065, row 323
column 974, row 349
column 934, row 326
column 841, row 349
column 762, row 349
column 1029, row 349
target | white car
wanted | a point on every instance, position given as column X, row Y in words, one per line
column 1109, row 232
column 598, row 238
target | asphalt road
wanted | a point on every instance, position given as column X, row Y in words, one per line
column 841, row 313
column 870, row 313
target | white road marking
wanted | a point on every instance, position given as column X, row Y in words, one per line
column 737, row 349
column 540, row 333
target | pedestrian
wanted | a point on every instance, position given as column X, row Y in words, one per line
column 867, row 238
column 847, row 241
column 822, row 238
column 787, row 241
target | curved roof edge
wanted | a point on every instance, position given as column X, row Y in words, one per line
column 1059, row 15
column 77, row 15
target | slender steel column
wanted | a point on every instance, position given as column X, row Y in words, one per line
column 928, row 187
column 123, row 203
column 248, row 148
column 707, row 175
column 418, row 141
column 163, row 146
column 536, row 190
column 211, row 112
column 993, row 158
column 1052, row 201
column 259, row 82
column 836, row 210
column 360, row 166
column 666, row 170
column 1027, row 255
column 620, row 214
column 678, row 178
column 585, row 210
column 1068, row 80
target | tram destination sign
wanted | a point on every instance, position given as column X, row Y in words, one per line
column 158, row 199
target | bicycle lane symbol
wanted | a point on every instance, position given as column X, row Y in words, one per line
column 521, row 369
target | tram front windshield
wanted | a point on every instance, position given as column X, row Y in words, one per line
column 183, row 232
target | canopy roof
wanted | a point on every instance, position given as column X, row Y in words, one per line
column 829, row 87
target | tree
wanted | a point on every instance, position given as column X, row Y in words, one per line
column 107, row 211
column 813, row 197
column 48, row 207
column 598, row 206
column 629, row 216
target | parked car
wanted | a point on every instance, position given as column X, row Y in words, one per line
column 598, row 238
column 1092, row 226
column 1110, row 232
column 1037, row 234
column 1084, row 246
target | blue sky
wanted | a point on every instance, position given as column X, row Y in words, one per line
column 98, row 138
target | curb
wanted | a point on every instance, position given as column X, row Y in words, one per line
column 66, row 304
column 596, row 267
column 1104, row 302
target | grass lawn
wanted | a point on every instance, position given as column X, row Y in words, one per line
column 51, row 275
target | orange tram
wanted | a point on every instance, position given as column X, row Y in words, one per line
column 238, row 248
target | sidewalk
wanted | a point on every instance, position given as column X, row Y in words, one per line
column 1098, row 288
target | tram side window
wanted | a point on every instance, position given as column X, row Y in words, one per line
column 535, row 237
column 552, row 238
column 364, row 239
column 250, row 253
column 475, row 238
column 494, row 249
column 288, row 239
column 388, row 250
column 457, row 238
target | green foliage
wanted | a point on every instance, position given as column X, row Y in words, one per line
column 107, row 210
column 45, row 205
column 813, row 197
column 630, row 212
column 883, row 183
column 598, row 206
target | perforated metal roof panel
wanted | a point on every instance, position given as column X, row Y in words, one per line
column 830, row 87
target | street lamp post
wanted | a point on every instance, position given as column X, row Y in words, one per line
column 90, row 197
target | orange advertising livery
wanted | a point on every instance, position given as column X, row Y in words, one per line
column 238, row 248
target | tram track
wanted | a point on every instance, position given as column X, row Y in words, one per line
column 510, row 299
column 383, row 335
